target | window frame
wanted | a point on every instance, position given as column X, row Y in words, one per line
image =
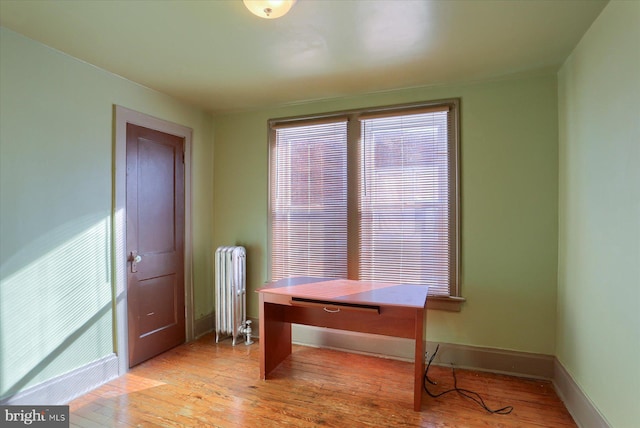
column 454, row 301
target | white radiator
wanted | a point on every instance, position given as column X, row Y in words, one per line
column 231, row 294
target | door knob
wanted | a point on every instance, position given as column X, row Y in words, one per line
column 134, row 258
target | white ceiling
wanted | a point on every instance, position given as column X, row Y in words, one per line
column 217, row 55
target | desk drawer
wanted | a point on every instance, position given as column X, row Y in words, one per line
column 385, row 320
column 334, row 307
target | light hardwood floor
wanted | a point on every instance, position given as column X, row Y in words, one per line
column 204, row 384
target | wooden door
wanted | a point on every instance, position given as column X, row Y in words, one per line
column 155, row 242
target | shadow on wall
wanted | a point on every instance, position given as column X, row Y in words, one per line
column 56, row 304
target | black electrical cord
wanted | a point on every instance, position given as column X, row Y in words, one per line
column 464, row 392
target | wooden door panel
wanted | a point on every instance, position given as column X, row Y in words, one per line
column 155, row 233
column 156, row 205
column 157, row 304
column 155, row 265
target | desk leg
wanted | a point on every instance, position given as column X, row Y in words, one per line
column 275, row 336
column 419, row 361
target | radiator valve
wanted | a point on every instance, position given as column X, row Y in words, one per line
column 246, row 330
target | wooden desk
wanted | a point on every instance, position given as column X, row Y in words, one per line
column 368, row 307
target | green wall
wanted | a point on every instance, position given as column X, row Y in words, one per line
column 598, row 339
column 56, row 143
column 509, row 205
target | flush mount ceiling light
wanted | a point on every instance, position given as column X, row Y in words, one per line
column 269, row 9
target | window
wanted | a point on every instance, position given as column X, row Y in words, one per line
column 370, row 195
column 309, row 201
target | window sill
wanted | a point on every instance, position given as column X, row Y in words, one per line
column 441, row 303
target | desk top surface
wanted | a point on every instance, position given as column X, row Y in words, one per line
column 350, row 291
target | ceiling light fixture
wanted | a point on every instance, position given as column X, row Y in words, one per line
column 269, row 9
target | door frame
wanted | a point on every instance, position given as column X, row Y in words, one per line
column 122, row 116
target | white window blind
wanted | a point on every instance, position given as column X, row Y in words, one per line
column 309, row 201
column 369, row 195
column 404, row 200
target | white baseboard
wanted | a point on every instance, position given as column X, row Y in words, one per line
column 514, row 363
column 64, row 388
column 204, row 325
column 583, row 411
column 360, row 343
